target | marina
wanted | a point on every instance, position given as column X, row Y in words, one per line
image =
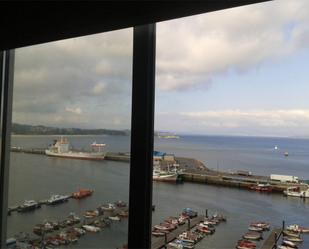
column 109, row 180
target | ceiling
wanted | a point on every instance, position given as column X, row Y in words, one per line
column 24, row 24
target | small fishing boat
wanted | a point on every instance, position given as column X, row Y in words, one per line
column 297, row 228
column 255, row 229
column 209, row 227
column 261, row 188
column 120, row 204
column 175, row 245
column 114, row 218
column 91, row 214
column 162, row 228
column 264, row 225
column 82, row 193
column 204, row 230
column 219, row 217
column 91, row 228
column 289, row 243
column 108, row 207
column 157, row 233
column 291, row 234
column 246, row 243
column 123, row 213
column 28, row 206
column 243, row 247
column 284, row 247
column 252, row 236
column 293, row 239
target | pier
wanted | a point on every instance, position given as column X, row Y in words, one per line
column 197, row 172
column 159, row 242
column 270, row 242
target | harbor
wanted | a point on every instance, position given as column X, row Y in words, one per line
column 109, row 180
column 192, row 170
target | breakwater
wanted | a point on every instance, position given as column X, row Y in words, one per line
column 195, row 171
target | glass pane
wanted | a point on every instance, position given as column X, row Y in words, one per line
column 232, row 107
column 69, row 168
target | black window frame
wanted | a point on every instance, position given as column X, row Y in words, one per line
column 143, row 83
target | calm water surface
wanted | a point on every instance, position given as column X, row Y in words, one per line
column 37, row 177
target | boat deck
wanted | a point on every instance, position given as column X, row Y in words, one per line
column 159, row 242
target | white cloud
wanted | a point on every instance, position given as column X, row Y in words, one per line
column 191, row 51
column 75, row 110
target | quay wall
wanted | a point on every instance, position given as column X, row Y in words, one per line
column 220, row 180
column 196, row 171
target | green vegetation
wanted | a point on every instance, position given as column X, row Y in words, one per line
column 23, row 129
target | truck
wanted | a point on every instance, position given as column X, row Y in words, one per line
column 284, row 178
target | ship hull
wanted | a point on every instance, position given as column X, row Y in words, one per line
column 76, row 155
column 167, row 178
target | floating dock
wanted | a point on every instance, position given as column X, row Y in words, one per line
column 159, row 242
column 272, row 239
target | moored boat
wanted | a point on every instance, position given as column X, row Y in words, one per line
column 261, row 188
column 293, row 239
column 60, row 148
column 291, row 234
column 252, row 236
column 289, row 243
column 91, row 228
column 56, row 199
column 28, row 206
column 82, row 193
column 297, row 229
column 255, row 229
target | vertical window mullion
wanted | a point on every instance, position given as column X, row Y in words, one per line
column 142, row 130
column 7, row 75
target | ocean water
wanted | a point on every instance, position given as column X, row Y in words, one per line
column 38, row 176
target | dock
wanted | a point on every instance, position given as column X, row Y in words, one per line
column 159, row 242
column 273, row 237
column 197, row 172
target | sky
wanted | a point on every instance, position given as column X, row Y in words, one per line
column 241, row 71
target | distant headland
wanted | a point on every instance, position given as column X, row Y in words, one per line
column 25, row 129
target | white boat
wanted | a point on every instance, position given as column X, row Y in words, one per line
column 291, row 234
column 28, row 206
column 298, row 229
column 293, row 239
column 55, row 199
column 114, row 218
column 91, row 228
column 295, row 192
column 284, row 247
column 289, row 243
column 164, row 176
column 60, row 148
column 255, row 229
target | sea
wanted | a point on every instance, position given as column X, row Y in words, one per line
column 38, row 176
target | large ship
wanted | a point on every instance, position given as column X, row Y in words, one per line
column 61, row 148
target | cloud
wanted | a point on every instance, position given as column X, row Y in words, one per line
column 74, row 82
column 240, row 122
column 193, row 51
column 75, row 110
column 94, row 73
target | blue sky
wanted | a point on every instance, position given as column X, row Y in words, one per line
column 241, row 71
